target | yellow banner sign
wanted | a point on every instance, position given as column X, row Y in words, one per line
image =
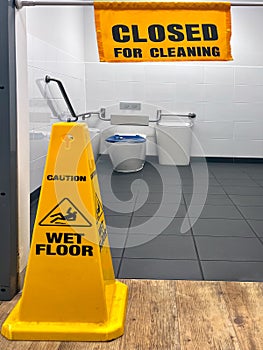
column 163, row 31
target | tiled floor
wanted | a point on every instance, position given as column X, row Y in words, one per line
column 203, row 221
column 222, row 236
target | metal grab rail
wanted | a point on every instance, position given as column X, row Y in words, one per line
column 102, row 113
column 159, row 115
column 65, row 96
column 21, row 3
column 68, row 103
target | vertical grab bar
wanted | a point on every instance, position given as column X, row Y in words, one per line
column 65, row 96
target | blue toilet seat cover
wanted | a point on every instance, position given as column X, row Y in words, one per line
column 126, row 139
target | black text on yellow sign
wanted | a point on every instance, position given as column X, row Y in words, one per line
column 63, row 243
column 173, row 31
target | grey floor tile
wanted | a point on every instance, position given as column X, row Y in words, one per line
column 117, row 240
column 256, row 175
column 161, row 247
column 145, row 225
column 201, row 181
column 214, row 212
column 162, row 210
column 247, row 201
column 116, row 252
column 229, row 248
column 178, row 227
column 232, row 271
column 225, row 174
column 158, row 197
column 244, row 190
column 169, row 179
column 166, row 188
column 118, row 208
column 257, row 226
column 116, row 264
column 211, row 199
column 222, row 227
column 238, row 182
column 117, row 224
column 251, row 167
column 160, row 269
column 163, row 171
column 120, row 193
column 252, row 212
column 203, row 189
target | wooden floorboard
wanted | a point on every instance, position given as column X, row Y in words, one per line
column 176, row 315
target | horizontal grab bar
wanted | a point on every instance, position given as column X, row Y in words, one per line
column 160, row 114
column 189, row 115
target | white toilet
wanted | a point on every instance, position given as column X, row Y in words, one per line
column 126, row 148
column 127, row 152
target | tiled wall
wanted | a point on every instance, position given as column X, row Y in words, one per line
column 52, row 50
column 228, row 100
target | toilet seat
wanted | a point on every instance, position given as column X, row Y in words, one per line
column 126, row 139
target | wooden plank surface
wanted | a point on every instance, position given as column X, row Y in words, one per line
column 176, row 315
column 203, row 317
column 245, row 306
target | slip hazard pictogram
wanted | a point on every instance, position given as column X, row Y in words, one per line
column 99, row 207
column 65, row 213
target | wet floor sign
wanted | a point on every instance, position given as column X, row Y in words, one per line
column 70, row 292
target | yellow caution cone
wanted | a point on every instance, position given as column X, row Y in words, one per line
column 70, row 292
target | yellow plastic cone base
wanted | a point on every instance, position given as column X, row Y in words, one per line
column 15, row 329
column 70, row 292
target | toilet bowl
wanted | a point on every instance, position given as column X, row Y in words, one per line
column 127, row 152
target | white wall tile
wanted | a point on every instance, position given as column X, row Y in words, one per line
column 213, row 130
column 223, row 111
column 160, row 73
column 160, row 91
column 189, row 74
column 129, row 90
column 190, row 93
column 248, row 131
column 248, row 93
column 106, row 89
column 212, row 147
column 249, row 75
column 249, row 148
column 216, row 93
column 219, row 75
column 248, row 111
column 99, row 71
column 129, row 72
